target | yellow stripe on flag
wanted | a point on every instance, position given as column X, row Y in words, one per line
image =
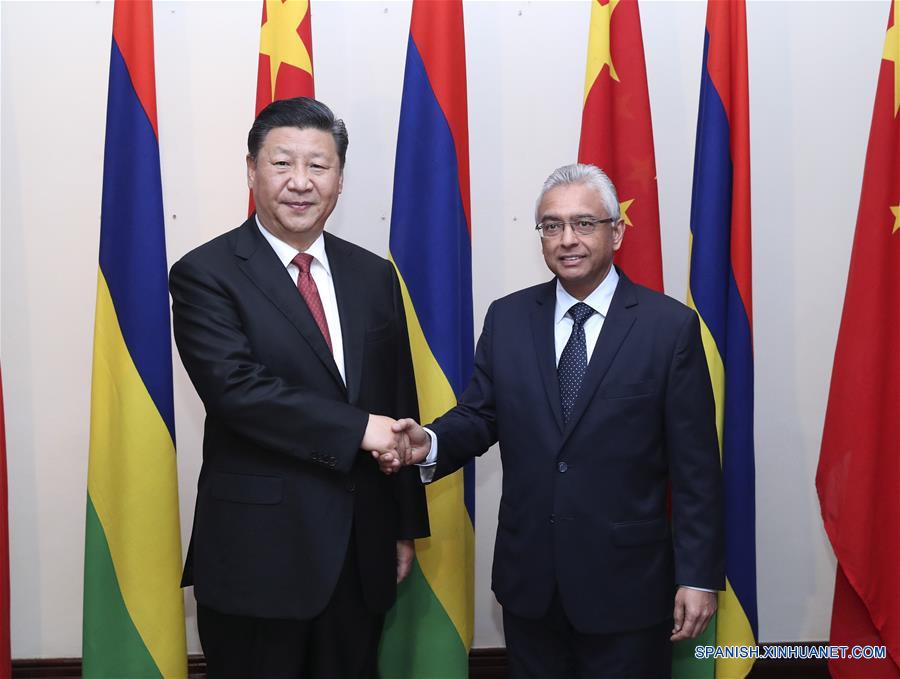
column 131, row 482
column 732, row 625
column 732, row 629
column 716, row 372
column 453, row 538
column 714, row 362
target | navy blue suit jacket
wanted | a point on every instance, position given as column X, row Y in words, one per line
column 584, row 504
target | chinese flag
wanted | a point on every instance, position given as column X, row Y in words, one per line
column 285, row 54
column 617, row 135
column 858, row 480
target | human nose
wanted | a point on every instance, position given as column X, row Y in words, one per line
column 568, row 236
column 299, row 179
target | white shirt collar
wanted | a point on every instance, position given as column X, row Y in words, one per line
column 286, row 253
column 599, row 300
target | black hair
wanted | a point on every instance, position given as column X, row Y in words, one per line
column 302, row 113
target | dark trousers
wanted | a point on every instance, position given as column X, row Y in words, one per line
column 340, row 643
column 550, row 648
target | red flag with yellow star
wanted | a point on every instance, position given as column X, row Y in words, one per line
column 617, row 135
column 285, row 55
column 858, row 480
column 285, row 52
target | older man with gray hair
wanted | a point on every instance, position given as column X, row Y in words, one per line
column 598, row 392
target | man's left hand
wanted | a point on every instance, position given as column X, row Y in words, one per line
column 406, row 550
column 693, row 609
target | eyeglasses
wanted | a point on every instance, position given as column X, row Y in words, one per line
column 583, row 227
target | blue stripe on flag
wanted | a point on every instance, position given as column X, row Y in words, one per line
column 715, row 293
column 132, row 237
column 738, row 469
column 429, row 236
column 711, row 210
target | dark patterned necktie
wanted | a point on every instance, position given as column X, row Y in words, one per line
column 573, row 360
column 310, row 293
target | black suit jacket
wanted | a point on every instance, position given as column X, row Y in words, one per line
column 584, row 505
column 283, row 478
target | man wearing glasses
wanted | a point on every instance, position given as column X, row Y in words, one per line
column 598, row 392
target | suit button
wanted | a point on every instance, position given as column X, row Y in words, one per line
column 351, row 487
column 563, row 467
column 552, row 518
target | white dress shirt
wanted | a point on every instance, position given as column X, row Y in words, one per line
column 320, row 271
column 599, row 300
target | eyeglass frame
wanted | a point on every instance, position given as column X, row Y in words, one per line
column 594, row 224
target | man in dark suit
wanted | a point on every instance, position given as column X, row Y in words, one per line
column 296, row 343
column 598, row 392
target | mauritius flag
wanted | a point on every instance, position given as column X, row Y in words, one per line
column 133, row 605
column 720, row 290
column 429, row 631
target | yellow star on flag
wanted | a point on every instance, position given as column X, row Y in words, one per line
column 892, row 53
column 278, row 38
column 896, row 210
column 599, row 52
column 623, row 211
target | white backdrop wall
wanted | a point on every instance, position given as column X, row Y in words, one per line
column 813, row 67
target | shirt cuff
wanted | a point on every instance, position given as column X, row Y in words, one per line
column 426, row 466
column 699, row 589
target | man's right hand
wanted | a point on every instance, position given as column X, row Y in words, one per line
column 379, row 438
column 414, row 444
column 417, row 443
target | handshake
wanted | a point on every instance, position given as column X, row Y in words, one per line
column 395, row 443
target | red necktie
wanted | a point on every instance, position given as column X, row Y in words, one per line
column 310, row 293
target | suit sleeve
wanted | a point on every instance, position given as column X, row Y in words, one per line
column 470, row 429
column 241, row 392
column 692, row 445
column 408, row 490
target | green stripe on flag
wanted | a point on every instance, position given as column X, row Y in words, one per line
column 111, row 645
column 423, row 642
column 685, row 665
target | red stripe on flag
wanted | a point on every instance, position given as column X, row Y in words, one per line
column 133, row 33
column 726, row 23
column 437, row 29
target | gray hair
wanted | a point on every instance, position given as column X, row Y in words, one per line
column 580, row 173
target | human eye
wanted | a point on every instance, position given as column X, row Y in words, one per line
column 278, row 162
column 585, row 226
column 552, row 228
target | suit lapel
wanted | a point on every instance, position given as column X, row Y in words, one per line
column 616, row 326
column 351, row 309
column 545, row 347
column 260, row 264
